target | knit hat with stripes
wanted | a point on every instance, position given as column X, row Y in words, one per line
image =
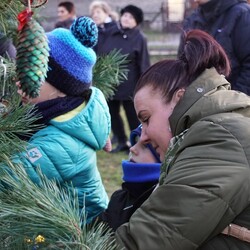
column 71, row 57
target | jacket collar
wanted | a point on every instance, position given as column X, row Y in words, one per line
column 117, row 29
column 209, row 94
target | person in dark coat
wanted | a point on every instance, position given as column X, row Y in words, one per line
column 228, row 22
column 129, row 39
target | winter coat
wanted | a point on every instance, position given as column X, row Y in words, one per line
column 102, row 29
column 66, row 152
column 228, row 22
column 130, row 42
column 206, row 185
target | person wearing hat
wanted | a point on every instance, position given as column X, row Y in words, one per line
column 129, row 39
column 72, row 112
column 102, row 14
column 141, row 173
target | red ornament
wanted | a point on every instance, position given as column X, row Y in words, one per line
column 23, row 17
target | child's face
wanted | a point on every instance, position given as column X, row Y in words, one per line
column 47, row 92
column 139, row 153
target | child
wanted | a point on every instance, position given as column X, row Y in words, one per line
column 76, row 118
column 140, row 175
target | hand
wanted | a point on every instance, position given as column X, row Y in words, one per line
column 108, row 145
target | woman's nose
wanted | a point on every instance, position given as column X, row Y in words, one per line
column 144, row 139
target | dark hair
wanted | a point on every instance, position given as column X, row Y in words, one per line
column 69, row 6
column 200, row 52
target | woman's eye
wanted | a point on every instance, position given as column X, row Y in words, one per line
column 145, row 120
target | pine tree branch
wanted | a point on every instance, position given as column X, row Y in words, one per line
column 109, row 71
column 9, row 10
column 28, row 210
column 14, row 119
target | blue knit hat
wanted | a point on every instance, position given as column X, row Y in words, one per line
column 134, row 137
column 71, row 56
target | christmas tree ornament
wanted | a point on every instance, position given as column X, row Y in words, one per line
column 32, row 53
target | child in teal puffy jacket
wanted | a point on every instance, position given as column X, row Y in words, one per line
column 76, row 118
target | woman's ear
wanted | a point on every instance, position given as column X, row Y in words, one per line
column 178, row 95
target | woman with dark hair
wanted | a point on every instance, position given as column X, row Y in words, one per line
column 201, row 130
column 66, row 13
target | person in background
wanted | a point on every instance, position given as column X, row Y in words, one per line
column 129, row 39
column 102, row 14
column 201, row 129
column 7, row 48
column 66, row 14
column 104, row 18
column 227, row 21
column 75, row 116
column 141, row 174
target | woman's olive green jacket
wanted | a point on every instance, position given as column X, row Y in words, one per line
column 207, row 185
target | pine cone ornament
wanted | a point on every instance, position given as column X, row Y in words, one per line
column 32, row 55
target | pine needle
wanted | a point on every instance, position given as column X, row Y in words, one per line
column 9, row 10
column 15, row 120
column 109, row 71
column 28, row 210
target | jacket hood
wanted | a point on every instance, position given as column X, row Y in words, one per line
column 92, row 124
column 209, row 94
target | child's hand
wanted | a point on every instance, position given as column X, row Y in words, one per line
column 108, row 145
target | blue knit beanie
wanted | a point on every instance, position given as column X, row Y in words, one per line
column 71, row 57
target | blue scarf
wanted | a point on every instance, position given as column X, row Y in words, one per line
column 140, row 172
column 48, row 110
